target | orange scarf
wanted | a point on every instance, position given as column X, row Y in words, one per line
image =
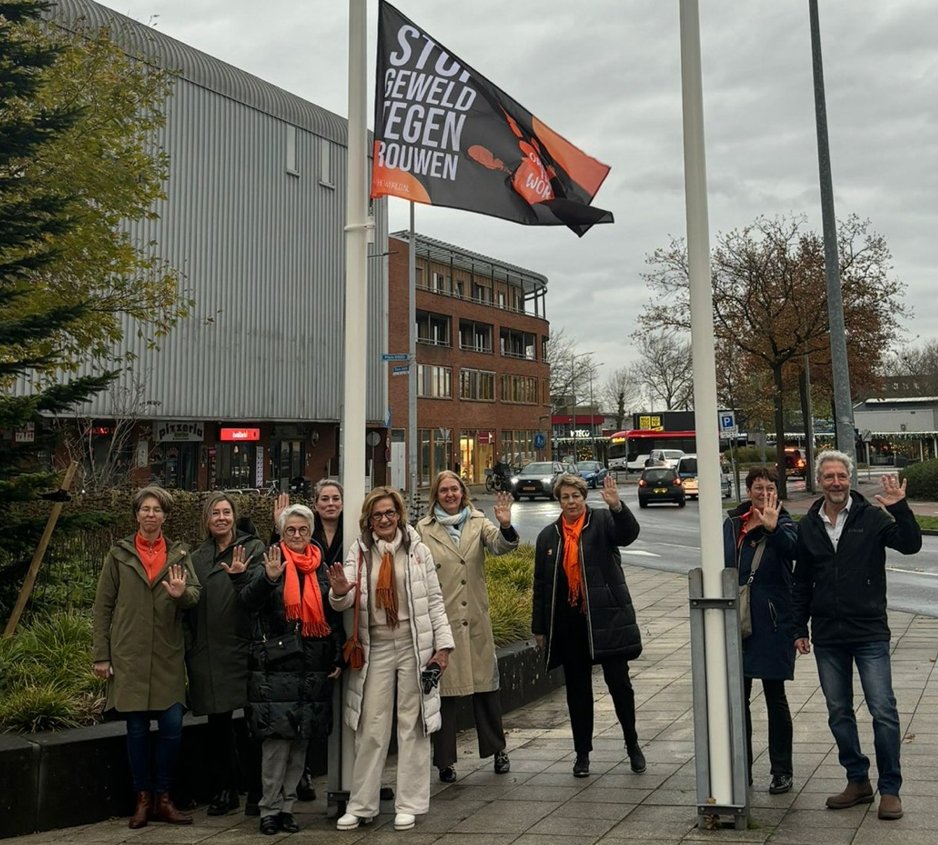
column 571, row 559
column 152, row 555
column 307, row 606
column 745, row 526
column 386, row 591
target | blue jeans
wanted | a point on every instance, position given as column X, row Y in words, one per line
column 835, row 669
column 168, row 740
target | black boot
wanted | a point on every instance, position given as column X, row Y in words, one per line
column 223, row 802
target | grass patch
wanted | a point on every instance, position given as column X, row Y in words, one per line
column 510, row 578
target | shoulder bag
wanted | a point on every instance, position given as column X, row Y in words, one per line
column 353, row 652
column 745, row 611
column 269, row 650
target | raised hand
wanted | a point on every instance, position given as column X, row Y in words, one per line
column 610, row 493
column 503, row 508
column 893, row 491
column 768, row 513
column 175, row 581
column 272, row 563
column 338, row 583
column 238, row 562
column 281, row 503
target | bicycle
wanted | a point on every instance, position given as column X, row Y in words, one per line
column 496, row 482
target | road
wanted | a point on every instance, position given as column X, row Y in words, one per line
column 670, row 541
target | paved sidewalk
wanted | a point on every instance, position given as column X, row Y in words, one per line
column 540, row 802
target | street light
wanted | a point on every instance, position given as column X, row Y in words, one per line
column 593, row 365
column 573, row 357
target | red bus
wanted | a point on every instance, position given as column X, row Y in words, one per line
column 629, row 449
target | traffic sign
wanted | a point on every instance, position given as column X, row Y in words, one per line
column 395, row 356
column 401, row 370
column 540, row 441
column 727, row 422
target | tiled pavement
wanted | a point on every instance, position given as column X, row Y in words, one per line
column 540, row 803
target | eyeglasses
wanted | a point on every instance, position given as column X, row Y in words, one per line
column 293, row 531
column 381, row 516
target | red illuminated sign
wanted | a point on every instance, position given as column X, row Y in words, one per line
column 240, row 434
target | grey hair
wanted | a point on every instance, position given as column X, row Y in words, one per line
column 296, row 510
column 832, row 455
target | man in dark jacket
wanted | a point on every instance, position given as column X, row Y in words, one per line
column 583, row 614
column 840, row 583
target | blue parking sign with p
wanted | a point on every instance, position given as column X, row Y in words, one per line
column 727, row 421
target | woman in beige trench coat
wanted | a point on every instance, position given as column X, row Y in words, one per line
column 458, row 535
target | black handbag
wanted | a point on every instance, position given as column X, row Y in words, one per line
column 273, row 649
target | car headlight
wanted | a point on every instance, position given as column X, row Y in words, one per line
column 547, row 481
column 514, row 479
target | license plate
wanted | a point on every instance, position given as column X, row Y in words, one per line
column 528, row 489
column 660, row 490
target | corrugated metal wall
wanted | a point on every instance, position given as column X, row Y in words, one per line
column 262, row 252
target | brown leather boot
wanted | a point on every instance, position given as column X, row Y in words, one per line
column 890, row 807
column 164, row 810
column 141, row 811
column 857, row 792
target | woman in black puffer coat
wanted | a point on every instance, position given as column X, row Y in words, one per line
column 290, row 695
column 769, row 652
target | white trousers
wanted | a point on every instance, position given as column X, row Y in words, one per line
column 391, row 666
column 282, row 765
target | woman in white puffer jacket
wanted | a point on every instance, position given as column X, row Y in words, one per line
column 389, row 573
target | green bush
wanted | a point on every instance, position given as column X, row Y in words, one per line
column 45, row 675
column 510, row 578
column 922, row 480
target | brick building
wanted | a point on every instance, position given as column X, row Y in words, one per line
column 481, row 369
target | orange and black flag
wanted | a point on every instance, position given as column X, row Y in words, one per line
column 445, row 135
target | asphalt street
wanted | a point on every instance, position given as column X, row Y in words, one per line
column 670, row 541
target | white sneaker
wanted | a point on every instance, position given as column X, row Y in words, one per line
column 350, row 822
column 404, row 821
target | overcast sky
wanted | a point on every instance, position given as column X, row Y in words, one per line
column 606, row 74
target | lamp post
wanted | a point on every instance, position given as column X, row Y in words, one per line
column 593, row 365
column 573, row 357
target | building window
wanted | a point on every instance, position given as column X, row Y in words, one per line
column 517, row 448
column 475, row 337
column 501, row 299
column 459, row 289
column 436, row 453
column 515, row 344
column 477, row 385
column 481, row 293
column 433, row 329
column 519, row 389
column 291, row 154
column 325, row 165
column 439, row 283
column 434, row 382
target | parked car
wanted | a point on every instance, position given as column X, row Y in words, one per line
column 592, row 472
column 638, row 464
column 537, row 479
column 660, row 484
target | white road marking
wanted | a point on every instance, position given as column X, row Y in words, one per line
column 638, row 553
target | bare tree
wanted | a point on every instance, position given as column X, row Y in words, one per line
column 570, row 371
column 666, row 372
column 103, row 448
column 621, row 393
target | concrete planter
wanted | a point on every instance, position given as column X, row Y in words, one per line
column 66, row 778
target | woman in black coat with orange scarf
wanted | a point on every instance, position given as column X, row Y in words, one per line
column 583, row 612
column 298, row 641
column 769, row 652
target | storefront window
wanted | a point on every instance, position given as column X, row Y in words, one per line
column 234, row 467
column 436, row 448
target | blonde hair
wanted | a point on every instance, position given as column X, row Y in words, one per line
column 210, row 503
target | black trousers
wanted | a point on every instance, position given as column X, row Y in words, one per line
column 223, row 749
column 780, row 729
column 578, row 677
column 487, row 710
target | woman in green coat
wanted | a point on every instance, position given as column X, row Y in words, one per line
column 146, row 583
column 218, row 640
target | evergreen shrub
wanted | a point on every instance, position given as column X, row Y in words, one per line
column 922, row 480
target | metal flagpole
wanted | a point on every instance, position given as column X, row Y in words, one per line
column 705, row 404
column 412, row 377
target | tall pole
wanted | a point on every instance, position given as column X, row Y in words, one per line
column 356, row 275
column 413, row 371
column 840, row 371
column 705, row 400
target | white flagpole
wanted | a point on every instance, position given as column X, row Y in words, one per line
column 356, row 316
column 412, row 448
column 705, row 404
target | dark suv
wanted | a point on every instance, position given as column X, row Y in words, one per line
column 660, row 484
